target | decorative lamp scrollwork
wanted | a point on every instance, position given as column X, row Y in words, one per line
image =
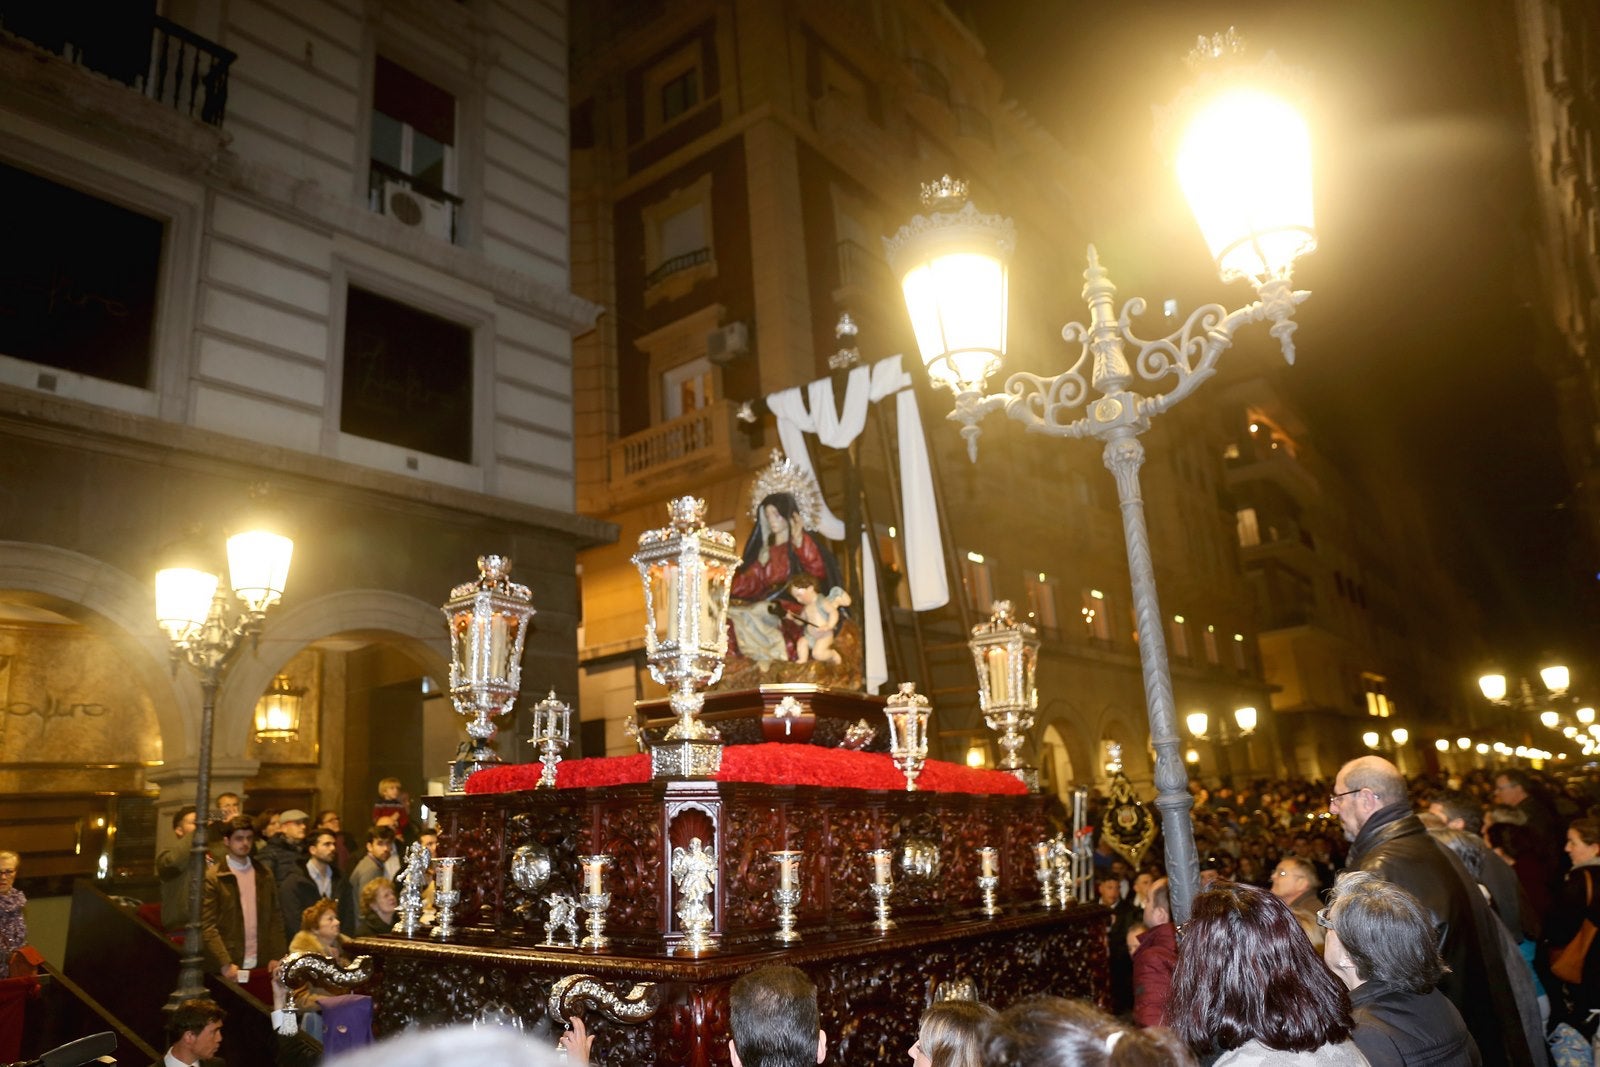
column 1006, row 655
column 907, row 712
column 686, row 569
column 488, row 623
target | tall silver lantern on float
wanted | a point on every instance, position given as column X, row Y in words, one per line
column 686, row 569
column 1006, row 655
column 488, row 622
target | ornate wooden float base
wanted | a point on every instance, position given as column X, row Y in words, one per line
column 871, row 989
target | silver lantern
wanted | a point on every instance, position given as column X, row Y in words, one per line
column 1006, row 655
column 552, row 732
column 686, row 569
column 907, row 712
column 488, row 622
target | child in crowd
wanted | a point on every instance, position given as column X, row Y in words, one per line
column 392, row 808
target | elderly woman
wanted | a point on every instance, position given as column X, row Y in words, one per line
column 1250, row 991
column 1051, row 1032
column 378, row 905
column 951, row 1035
column 319, row 933
column 13, row 927
column 1381, row 943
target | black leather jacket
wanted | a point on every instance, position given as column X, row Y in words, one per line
column 1396, row 846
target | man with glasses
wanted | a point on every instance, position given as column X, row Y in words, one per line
column 1294, row 881
column 1387, row 838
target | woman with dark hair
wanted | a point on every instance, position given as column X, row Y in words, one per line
column 1579, row 899
column 950, row 1034
column 1051, row 1032
column 1250, row 991
column 1381, row 943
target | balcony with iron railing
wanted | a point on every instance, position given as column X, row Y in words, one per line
column 154, row 56
column 655, row 463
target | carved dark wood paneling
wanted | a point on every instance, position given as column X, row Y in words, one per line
column 871, row 990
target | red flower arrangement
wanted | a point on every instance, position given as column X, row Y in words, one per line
column 774, row 764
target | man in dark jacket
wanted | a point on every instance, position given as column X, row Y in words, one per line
column 239, row 938
column 315, row 879
column 1370, row 799
column 284, row 852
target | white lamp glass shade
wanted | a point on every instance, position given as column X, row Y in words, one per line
column 183, row 599
column 258, row 567
column 1400, row 734
column 1549, row 718
column 1442, row 745
column 1197, row 721
column 1493, row 686
column 1585, row 715
column 957, row 301
column 1246, row 718
column 1463, row 742
column 1192, row 756
column 1569, row 731
column 1245, row 166
column 1370, row 739
column 1555, row 678
column 1482, row 749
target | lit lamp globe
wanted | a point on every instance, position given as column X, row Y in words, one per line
column 1550, row 719
column 1555, row 678
column 1400, row 734
column 1197, row 722
column 954, row 270
column 488, row 623
column 1585, row 716
column 1370, row 739
column 278, row 711
column 1005, row 653
column 1493, row 686
column 1246, row 718
column 1442, row 745
column 687, row 570
column 1463, row 743
column 1244, row 162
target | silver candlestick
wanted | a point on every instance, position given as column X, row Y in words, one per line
column 1061, row 865
column 882, row 886
column 595, row 900
column 552, row 732
column 445, row 895
column 787, row 895
column 989, row 880
column 1047, row 882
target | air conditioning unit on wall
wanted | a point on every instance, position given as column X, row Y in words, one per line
column 727, row 343
column 413, row 209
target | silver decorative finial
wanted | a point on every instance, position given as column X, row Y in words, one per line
column 946, row 192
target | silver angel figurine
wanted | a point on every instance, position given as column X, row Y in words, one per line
column 413, row 879
column 563, row 920
column 694, row 869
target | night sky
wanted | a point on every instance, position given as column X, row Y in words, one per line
column 1415, row 350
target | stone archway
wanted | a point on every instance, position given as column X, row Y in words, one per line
column 119, row 609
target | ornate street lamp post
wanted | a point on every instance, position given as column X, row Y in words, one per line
column 1244, row 162
column 204, row 626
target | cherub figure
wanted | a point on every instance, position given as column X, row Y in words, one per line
column 413, row 878
column 563, row 917
column 820, row 614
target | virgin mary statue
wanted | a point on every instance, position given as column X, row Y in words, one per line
column 786, row 571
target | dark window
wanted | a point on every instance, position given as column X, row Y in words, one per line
column 413, row 124
column 680, row 94
column 78, row 280
column 407, row 377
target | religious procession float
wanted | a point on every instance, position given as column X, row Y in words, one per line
column 787, row 817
